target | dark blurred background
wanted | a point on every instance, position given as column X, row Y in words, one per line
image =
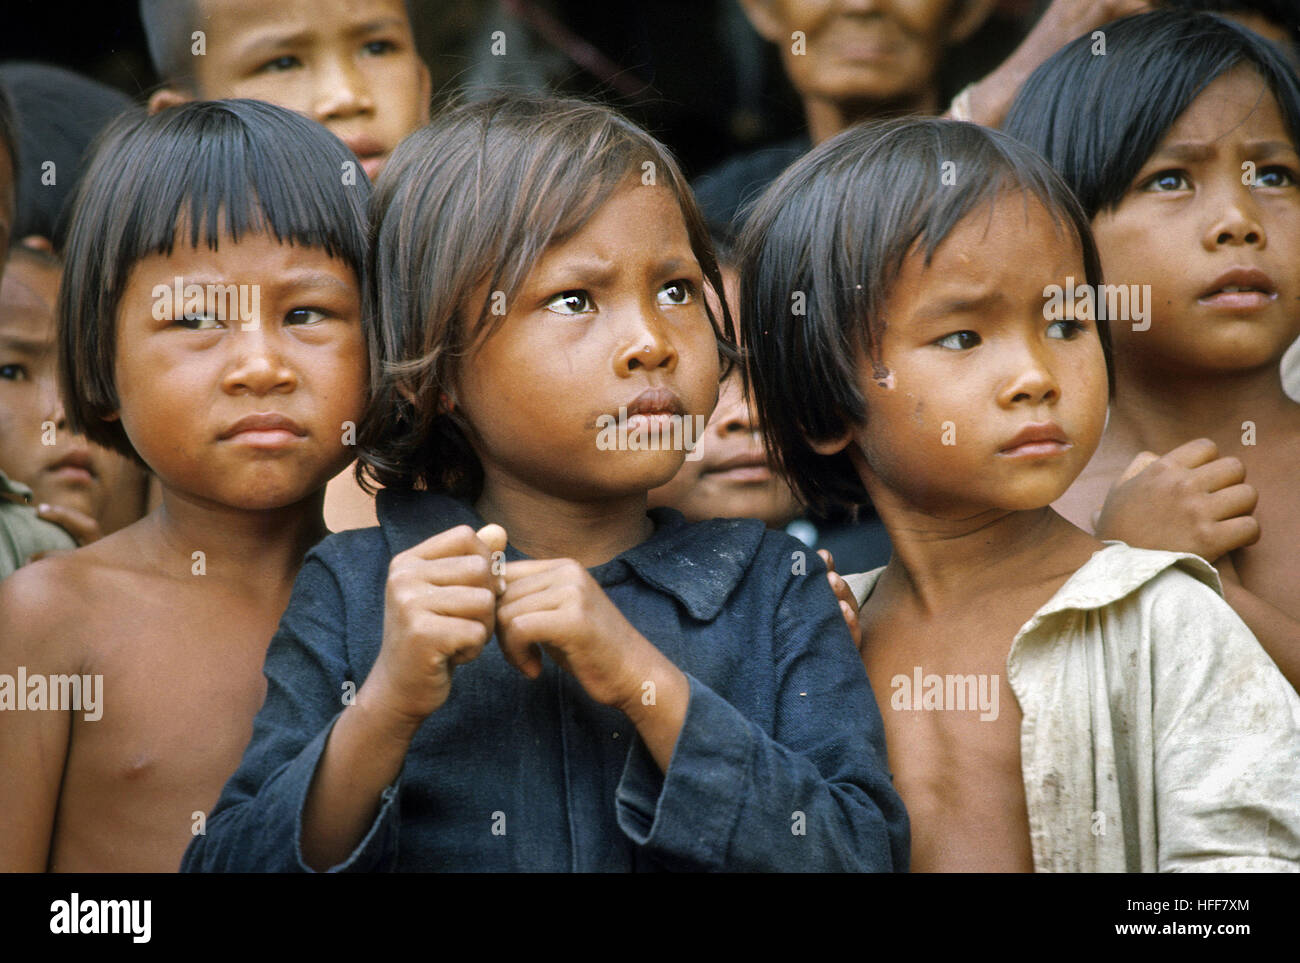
column 692, row 71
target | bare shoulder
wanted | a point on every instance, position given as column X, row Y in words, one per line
column 48, row 607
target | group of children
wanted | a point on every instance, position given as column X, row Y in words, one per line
column 535, row 661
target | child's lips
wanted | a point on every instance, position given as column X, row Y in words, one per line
column 264, row 430
column 1037, row 441
column 1240, row 289
column 75, row 467
column 747, row 467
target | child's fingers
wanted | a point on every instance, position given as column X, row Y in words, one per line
column 530, row 576
column 494, row 537
column 828, row 558
column 518, row 652
column 1234, row 533
column 1220, row 473
column 527, row 567
column 461, row 540
column 546, row 598
column 850, row 615
column 1193, row 454
column 1232, row 501
column 454, row 570
column 82, row 527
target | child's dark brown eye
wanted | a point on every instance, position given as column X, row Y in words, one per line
column 281, row 63
column 959, row 341
column 570, row 302
column 304, row 316
column 1167, row 181
column 12, row 372
column 1275, row 177
column 1066, row 330
column 677, row 292
column 379, row 47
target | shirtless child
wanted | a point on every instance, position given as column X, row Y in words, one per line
column 1050, row 702
column 1197, row 217
column 210, row 324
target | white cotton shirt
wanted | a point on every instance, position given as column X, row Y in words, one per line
column 1157, row 734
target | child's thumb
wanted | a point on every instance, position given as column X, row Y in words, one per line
column 494, row 537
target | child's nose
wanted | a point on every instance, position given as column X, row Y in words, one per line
column 1031, row 381
column 341, row 91
column 649, row 347
column 1236, row 223
column 258, row 366
column 732, row 416
column 52, row 403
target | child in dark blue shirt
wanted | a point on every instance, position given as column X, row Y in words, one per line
column 630, row 691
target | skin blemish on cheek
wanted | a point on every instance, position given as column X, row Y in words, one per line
column 882, row 376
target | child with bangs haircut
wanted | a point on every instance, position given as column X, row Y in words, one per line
column 22, row 532
column 210, row 327
column 1182, row 145
column 630, row 692
column 1051, row 703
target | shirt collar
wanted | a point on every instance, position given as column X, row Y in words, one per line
column 697, row 564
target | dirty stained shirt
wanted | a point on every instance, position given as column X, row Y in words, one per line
column 1157, row 734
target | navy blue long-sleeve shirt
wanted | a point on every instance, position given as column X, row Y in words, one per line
column 780, row 764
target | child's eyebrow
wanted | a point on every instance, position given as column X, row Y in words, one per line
column 374, row 26
column 592, row 271
column 1187, row 152
column 265, row 44
column 939, row 309
column 30, row 346
column 1270, row 147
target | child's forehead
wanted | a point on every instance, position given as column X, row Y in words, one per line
column 249, row 21
column 1235, row 105
column 26, row 308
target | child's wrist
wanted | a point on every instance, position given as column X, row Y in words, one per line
column 374, row 713
column 656, row 680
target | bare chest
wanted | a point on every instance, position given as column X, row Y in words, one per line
column 179, row 686
column 952, row 730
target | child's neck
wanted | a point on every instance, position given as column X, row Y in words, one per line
column 262, row 549
column 544, row 526
column 946, row 564
column 1157, row 411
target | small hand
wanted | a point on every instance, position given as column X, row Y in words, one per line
column 82, row 527
column 556, row 605
column 439, row 612
column 848, row 602
column 1189, row 500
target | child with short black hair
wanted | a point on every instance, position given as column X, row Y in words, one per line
column 1050, row 702
column 538, row 269
column 351, row 65
column 209, row 325
column 22, row 533
column 348, row 64
column 1183, row 145
column 87, row 489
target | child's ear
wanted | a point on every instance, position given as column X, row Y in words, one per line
column 160, row 100
column 765, row 19
column 832, row 446
column 968, row 17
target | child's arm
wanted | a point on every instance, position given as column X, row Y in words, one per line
column 991, row 98
column 717, row 791
column 338, row 768
column 438, row 614
column 33, row 743
column 1191, row 500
